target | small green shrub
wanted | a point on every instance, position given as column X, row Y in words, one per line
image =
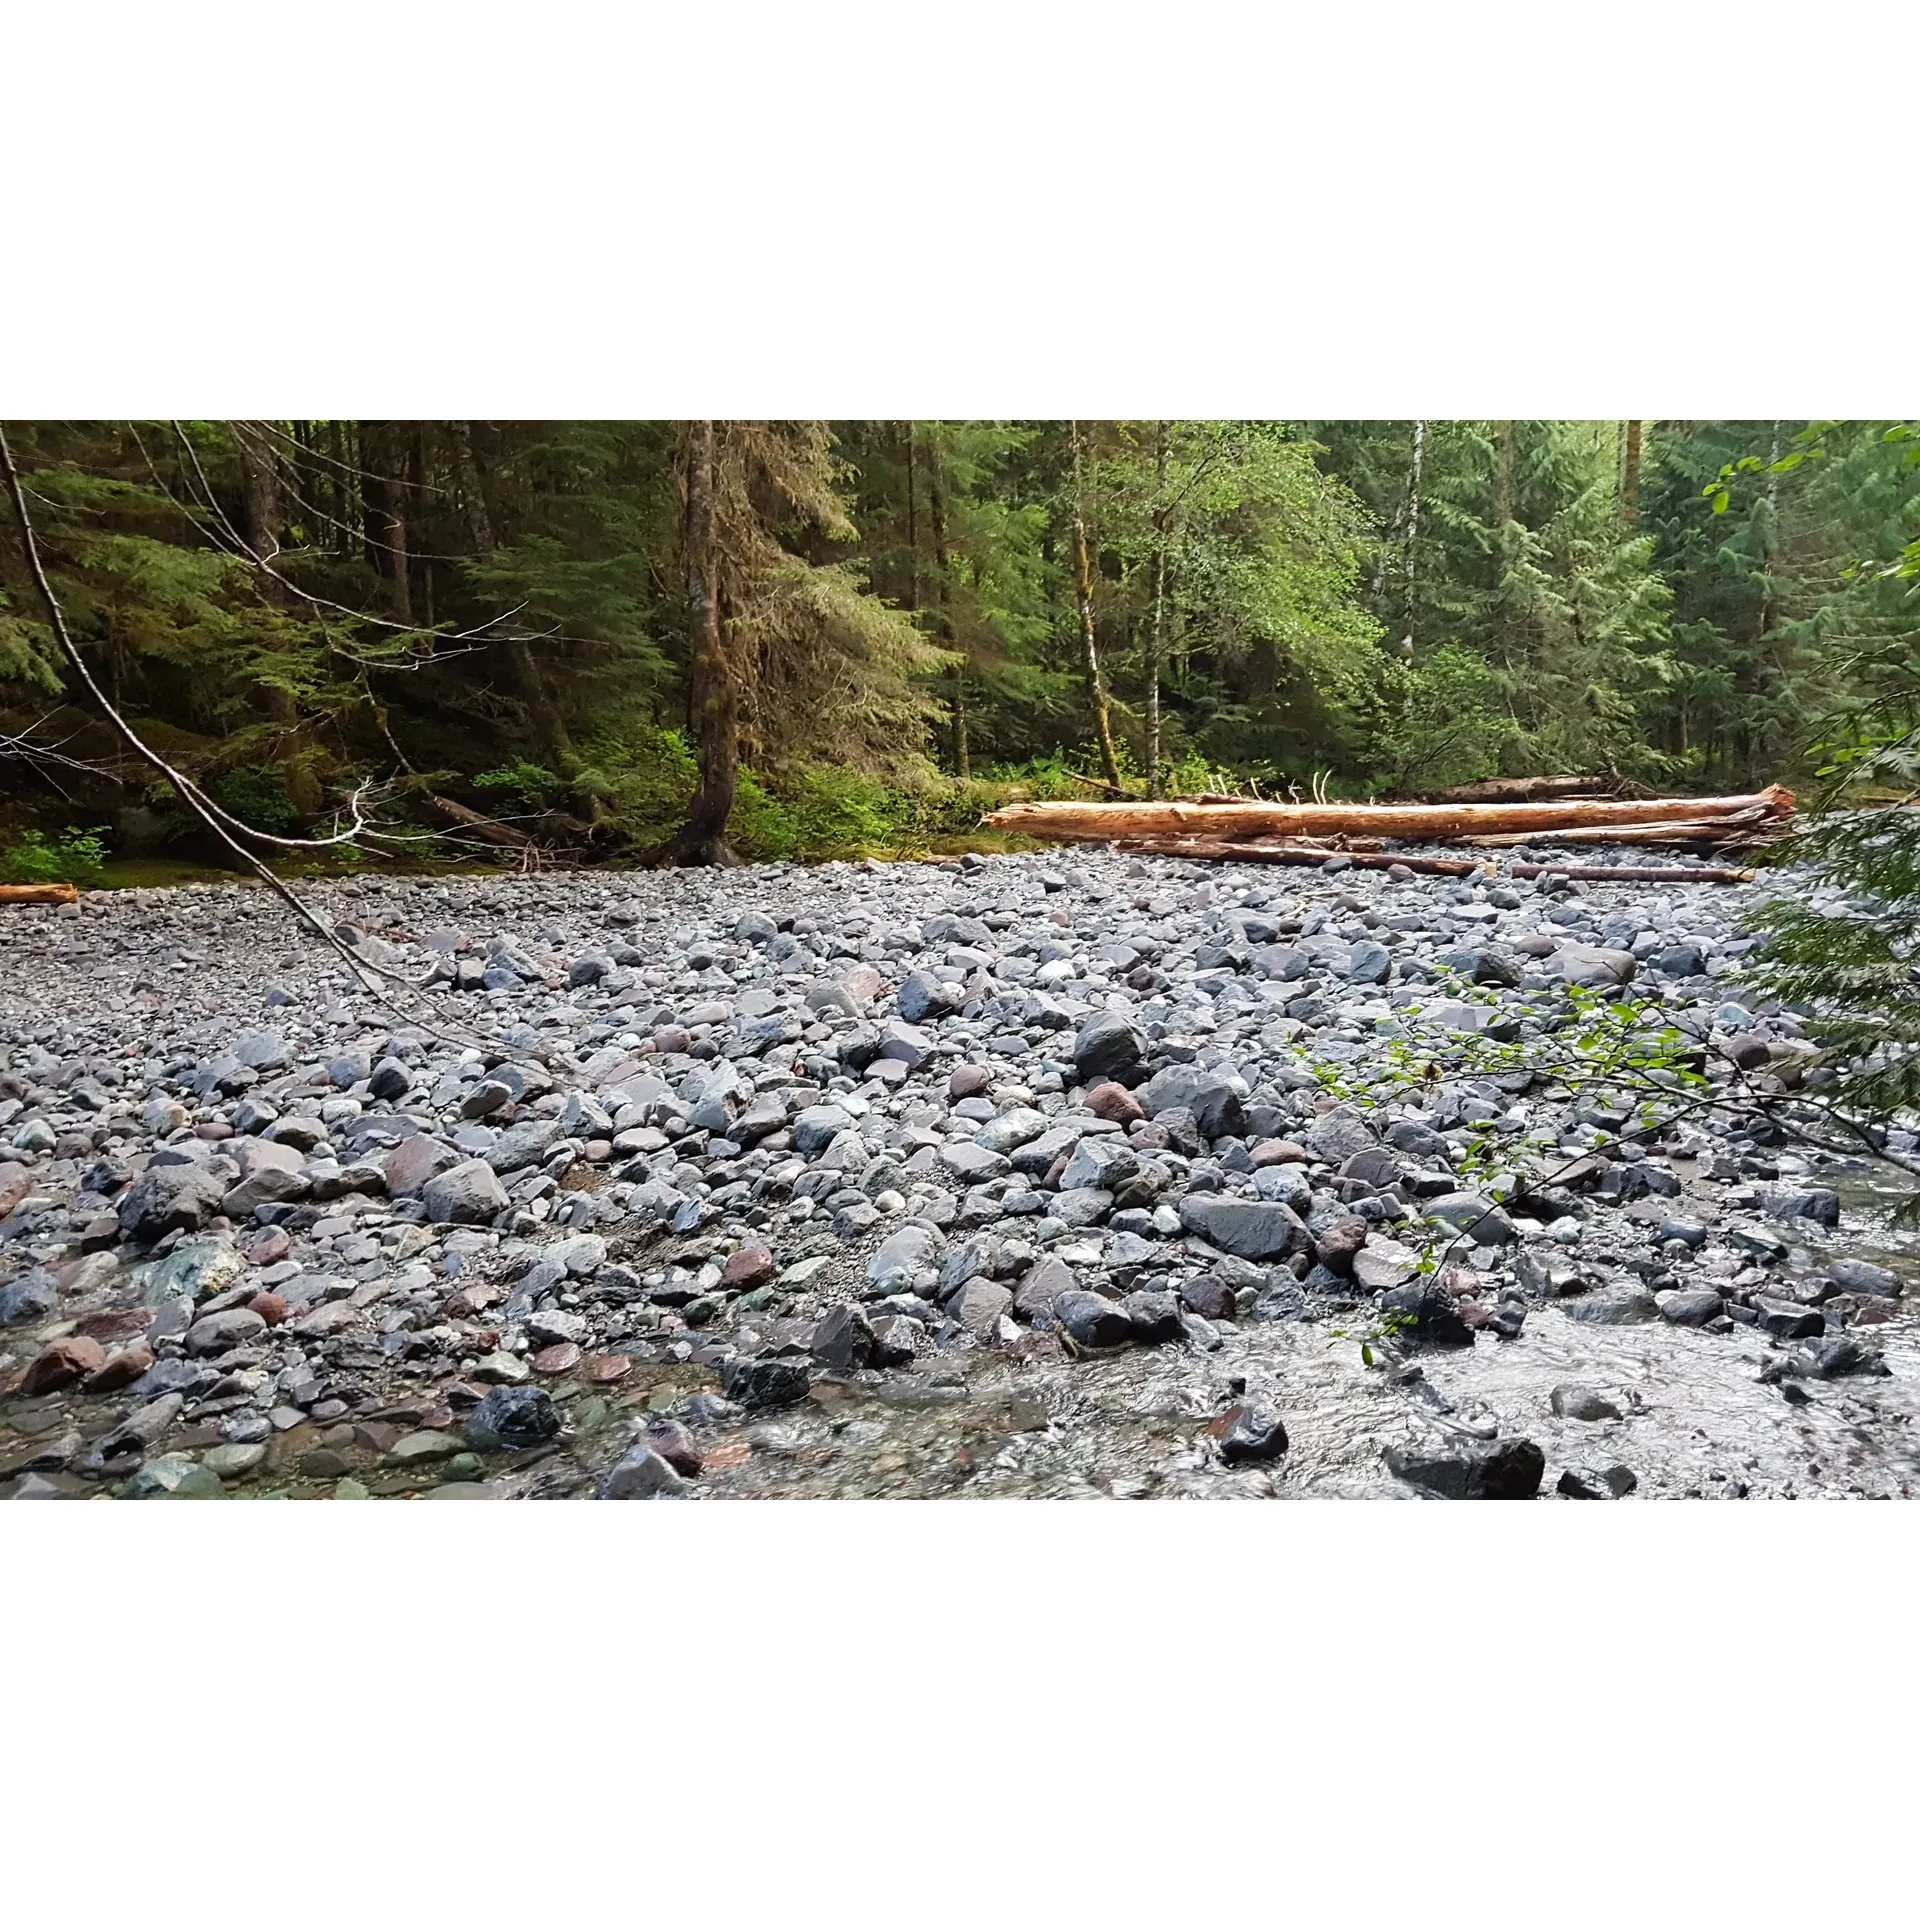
column 522, row 786
column 75, row 853
column 258, row 795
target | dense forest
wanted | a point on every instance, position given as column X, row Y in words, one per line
column 798, row 638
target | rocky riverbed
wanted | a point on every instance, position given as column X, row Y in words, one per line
column 1069, row 1174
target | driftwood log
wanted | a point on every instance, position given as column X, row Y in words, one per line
column 1277, row 854
column 56, row 893
column 1256, row 819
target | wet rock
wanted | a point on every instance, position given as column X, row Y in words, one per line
column 1693, row 1307
column 513, row 1417
column 1622, row 1306
column 756, row 1383
column 1470, row 1470
column 1091, row 1320
column 1862, row 1276
column 216, row 1333
column 174, row 1476
column 642, row 1473
column 843, row 1339
column 1582, row 1403
column 1425, row 1312
column 1615, row 1483
column 1249, row 1434
column 61, row 1363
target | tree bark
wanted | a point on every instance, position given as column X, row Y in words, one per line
column 913, row 530
column 1251, row 819
column 1503, row 469
column 1161, row 520
column 549, row 728
column 1630, row 478
column 1096, row 679
column 1413, row 514
column 715, row 698
column 261, row 482
column 943, row 608
column 385, row 518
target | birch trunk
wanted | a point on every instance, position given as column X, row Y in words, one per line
column 1413, row 514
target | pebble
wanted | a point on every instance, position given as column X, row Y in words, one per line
column 744, row 1124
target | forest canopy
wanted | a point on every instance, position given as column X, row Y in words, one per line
column 796, row 638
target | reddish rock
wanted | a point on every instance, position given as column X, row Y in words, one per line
column 964, row 1082
column 270, row 1307
column 414, row 1162
column 1279, row 1153
column 606, row 1368
column 558, row 1358
column 62, row 1363
column 729, row 1453
column 1111, row 1101
column 268, row 1245
column 121, row 1370
column 749, row 1267
column 14, row 1182
column 116, row 1324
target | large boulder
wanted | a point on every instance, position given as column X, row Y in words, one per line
column 1215, row 1106
column 410, row 1165
column 165, row 1198
column 1474, row 1470
column 1337, row 1135
column 469, row 1193
column 1108, row 1047
column 1254, row 1229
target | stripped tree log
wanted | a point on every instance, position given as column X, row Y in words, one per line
column 56, row 893
column 1254, row 819
column 1269, row 853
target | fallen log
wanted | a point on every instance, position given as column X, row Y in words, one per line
column 1255, row 819
column 56, row 893
column 1684, row 833
column 495, row 831
column 1533, row 786
column 1267, row 854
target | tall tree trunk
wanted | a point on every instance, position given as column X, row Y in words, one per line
column 1630, row 478
column 715, row 698
column 943, row 606
column 1503, row 468
column 1162, row 517
column 1413, row 516
column 385, row 518
column 261, row 483
column 913, row 530
column 549, row 728
column 1096, row 679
